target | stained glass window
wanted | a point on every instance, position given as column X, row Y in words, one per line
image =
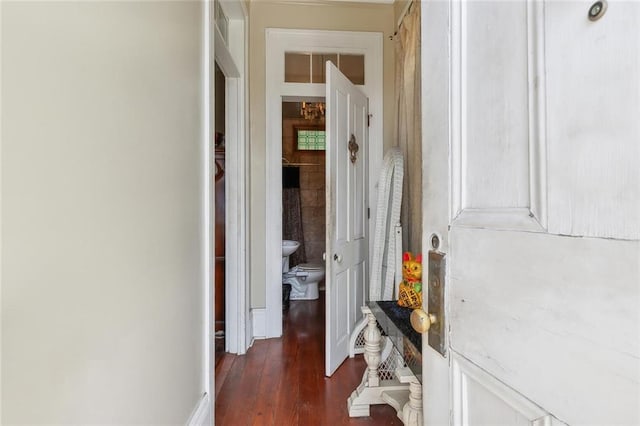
column 311, row 140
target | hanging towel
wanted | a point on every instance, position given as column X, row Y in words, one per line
column 290, row 177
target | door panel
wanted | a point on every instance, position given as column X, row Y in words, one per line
column 550, row 316
column 494, row 106
column 342, row 173
column 538, row 161
column 479, row 399
column 357, row 291
column 340, row 300
column 593, row 100
column 360, row 174
column 498, row 150
column 347, row 203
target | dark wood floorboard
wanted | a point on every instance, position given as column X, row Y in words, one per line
column 281, row 381
column 219, row 345
column 222, row 370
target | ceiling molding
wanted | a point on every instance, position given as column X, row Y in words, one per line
column 364, row 1
column 329, row 2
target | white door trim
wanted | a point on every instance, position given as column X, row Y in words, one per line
column 234, row 64
column 208, row 213
column 278, row 41
column 231, row 58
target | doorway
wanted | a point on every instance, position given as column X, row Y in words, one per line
column 281, row 41
column 228, row 87
column 220, row 212
column 303, row 180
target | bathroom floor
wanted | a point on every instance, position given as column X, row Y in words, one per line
column 281, row 381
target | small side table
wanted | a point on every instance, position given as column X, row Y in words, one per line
column 404, row 391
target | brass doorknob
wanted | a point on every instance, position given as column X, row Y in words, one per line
column 422, row 321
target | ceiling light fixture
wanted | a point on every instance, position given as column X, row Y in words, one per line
column 312, row 110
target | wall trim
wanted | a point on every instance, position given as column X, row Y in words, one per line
column 208, row 210
column 201, row 414
column 258, row 317
column 1, row 174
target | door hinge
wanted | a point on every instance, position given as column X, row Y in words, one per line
column 369, row 120
column 368, row 212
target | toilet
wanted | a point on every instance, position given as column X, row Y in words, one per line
column 304, row 279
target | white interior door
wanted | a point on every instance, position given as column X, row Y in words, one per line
column 347, row 212
column 532, row 147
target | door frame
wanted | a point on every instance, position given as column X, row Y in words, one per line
column 233, row 61
column 321, row 41
column 231, row 57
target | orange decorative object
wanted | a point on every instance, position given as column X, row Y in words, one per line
column 410, row 294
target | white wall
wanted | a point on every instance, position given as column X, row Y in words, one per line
column 102, row 154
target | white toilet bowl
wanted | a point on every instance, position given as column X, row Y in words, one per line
column 304, row 279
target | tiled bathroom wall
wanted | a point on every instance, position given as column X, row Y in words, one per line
column 312, row 188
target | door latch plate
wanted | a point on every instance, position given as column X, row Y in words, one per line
column 435, row 302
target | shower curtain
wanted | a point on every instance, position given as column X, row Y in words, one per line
column 292, row 213
column 408, row 125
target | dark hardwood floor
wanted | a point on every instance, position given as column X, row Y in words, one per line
column 281, row 381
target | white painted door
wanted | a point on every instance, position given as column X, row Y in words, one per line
column 532, row 183
column 347, row 215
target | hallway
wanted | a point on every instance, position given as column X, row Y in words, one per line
column 282, row 382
